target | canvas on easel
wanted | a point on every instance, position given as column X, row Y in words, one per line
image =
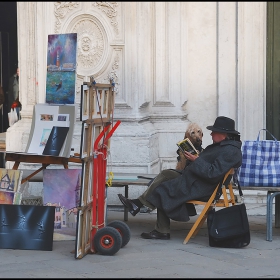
column 61, row 68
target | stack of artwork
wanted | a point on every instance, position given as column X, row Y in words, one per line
column 52, row 128
column 56, row 121
column 22, row 226
column 97, row 102
column 10, row 186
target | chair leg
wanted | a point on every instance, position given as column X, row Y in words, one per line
column 224, row 191
column 208, row 206
column 232, row 195
column 197, row 225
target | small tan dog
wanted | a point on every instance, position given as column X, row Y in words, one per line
column 195, row 134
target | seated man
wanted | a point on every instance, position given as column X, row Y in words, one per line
column 169, row 191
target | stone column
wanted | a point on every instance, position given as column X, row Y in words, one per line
column 251, row 67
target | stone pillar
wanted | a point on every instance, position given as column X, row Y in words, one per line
column 31, row 64
column 251, row 68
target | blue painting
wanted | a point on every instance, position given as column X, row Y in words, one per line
column 61, row 68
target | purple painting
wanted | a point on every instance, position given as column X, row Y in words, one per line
column 60, row 187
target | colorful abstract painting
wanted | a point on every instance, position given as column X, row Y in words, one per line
column 61, row 68
column 61, row 188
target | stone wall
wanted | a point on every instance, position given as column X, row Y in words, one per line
column 173, row 63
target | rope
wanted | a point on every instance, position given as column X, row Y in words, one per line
column 97, row 226
column 110, row 174
column 97, row 97
column 110, row 179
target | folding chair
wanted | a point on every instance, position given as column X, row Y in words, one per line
column 225, row 200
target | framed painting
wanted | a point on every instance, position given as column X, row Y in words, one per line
column 6, row 197
column 97, row 101
column 26, row 227
column 84, row 216
column 83, row 237
column 61, row 188
column 84, row 140
column 100, row 100
column 84, row 106
column 10, row 179
column 86, row 183
column 89, row 133
column 61, row 68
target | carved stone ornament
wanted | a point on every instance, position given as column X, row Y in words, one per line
column 110, row 9
column 60, row 11
column 90, row 45
column 112, row 75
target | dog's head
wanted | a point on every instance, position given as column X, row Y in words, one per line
column 195, row 134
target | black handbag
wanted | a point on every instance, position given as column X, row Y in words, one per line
column 229, row 227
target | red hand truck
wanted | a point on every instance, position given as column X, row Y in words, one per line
column 105, row 239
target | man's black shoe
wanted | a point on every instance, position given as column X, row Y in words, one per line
column 132, row 208
column 155, row 235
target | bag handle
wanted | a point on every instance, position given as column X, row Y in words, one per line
column 268, row 132
column 219, row 190
column 240, row 191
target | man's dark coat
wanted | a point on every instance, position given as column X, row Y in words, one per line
column 198, row 179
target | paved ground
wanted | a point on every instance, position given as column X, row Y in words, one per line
column 142, row 258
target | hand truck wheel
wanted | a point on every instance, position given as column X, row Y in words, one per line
column 123, row 229
column 107, row 241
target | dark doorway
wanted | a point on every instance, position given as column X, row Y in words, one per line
column 8, row 53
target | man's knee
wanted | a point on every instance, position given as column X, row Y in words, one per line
column 169, row 173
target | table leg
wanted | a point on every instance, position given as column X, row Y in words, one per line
column 269, row 215
column 16, row 165
column 277, row 211
column 125, row 217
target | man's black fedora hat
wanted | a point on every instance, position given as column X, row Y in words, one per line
column 223, row 125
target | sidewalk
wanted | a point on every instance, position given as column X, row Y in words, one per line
column 142, row 258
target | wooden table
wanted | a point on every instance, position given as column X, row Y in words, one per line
column 45, row 160
column 129, row 179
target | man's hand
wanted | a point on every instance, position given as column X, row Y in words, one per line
column 190, row 156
